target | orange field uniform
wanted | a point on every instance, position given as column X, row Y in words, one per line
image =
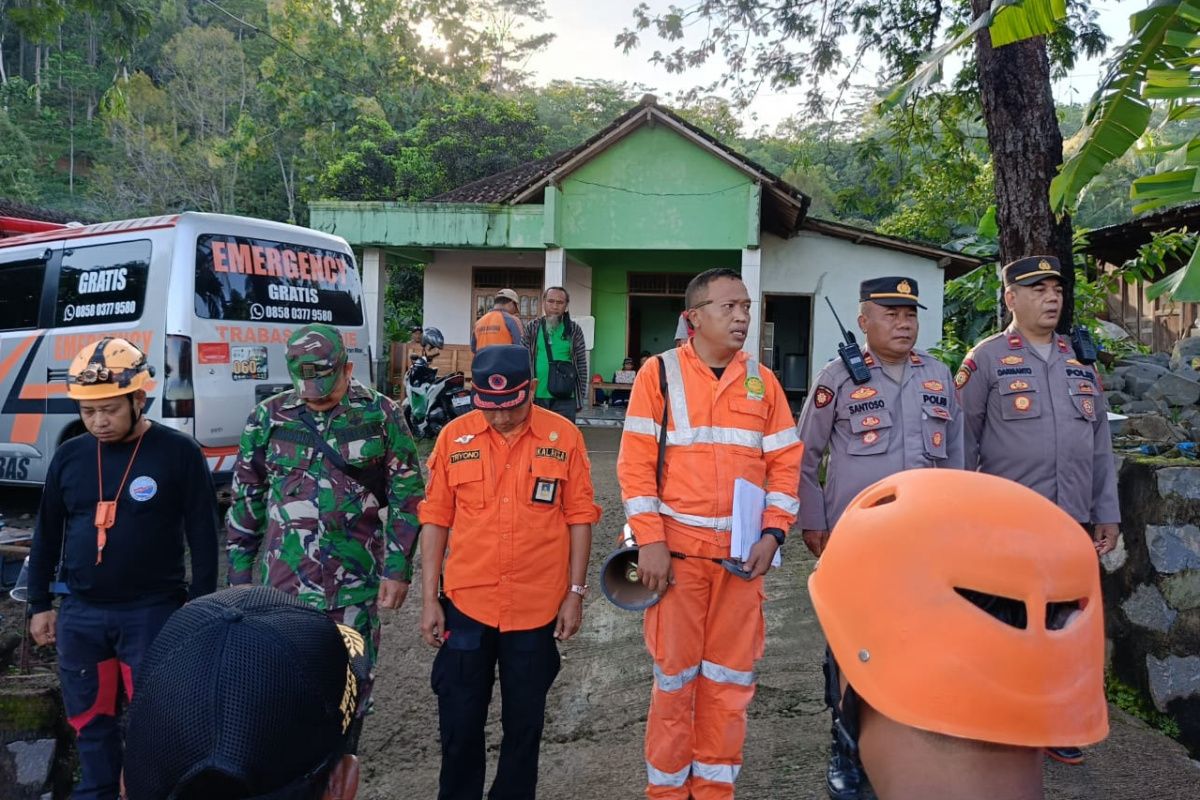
column 509, row 551
column 707, row 630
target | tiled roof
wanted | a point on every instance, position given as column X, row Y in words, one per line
column 12, row 208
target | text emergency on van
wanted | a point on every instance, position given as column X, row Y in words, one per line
column 258, row 280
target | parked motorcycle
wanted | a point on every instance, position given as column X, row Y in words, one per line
column 430, row 402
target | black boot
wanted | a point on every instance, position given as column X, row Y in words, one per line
column 844, row 776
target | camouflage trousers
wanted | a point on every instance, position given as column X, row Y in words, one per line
column 363, row 618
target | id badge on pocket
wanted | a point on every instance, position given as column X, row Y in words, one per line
column 545, row 490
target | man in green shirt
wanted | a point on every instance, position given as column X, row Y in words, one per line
column 563, row 391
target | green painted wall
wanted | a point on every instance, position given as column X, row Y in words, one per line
column 656, row 190
column 430, row 225
column 610, row 292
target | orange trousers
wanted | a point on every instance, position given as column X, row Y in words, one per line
column 705, row 635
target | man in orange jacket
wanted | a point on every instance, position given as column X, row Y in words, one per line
column 510, row 496
column 727, row 418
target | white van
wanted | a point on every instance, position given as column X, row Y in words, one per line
column 210, row 298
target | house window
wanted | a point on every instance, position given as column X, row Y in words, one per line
column 663, row 283
column 527, row 283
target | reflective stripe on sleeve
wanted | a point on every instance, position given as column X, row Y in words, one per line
column 785, row 502
column 640, row 505
column 778, row 441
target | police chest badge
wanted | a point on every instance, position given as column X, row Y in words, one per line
column 755, row 388
column 545, row 490
column 1012, row 360
column 863, row 392
column 822, row 396
column 870, row 437
column 933, row 386
column 1018, row 386
column 937, row 438
column 1022, row 404
column 1089, row 406
column 871, row 422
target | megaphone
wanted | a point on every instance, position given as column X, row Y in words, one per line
column 620, row 581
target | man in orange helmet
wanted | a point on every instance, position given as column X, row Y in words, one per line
column 980, row 642
column 119, row 503
column 725, row 418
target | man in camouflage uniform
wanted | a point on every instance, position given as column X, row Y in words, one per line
column 328, row 540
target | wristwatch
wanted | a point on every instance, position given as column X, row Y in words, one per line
column 579, row 590
column 775, row 533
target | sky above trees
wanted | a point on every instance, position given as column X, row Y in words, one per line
column 583, row 48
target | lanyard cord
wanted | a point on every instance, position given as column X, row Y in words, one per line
column 102, row 533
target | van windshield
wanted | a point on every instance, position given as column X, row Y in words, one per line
column 259, row 280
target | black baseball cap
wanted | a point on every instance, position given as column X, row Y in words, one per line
column 1031, row 270
column 247, row 688
column 894, row 291
column 500, row 376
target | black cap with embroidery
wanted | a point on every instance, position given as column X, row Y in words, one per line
column 894, row 291
column 1031, row 270
column 245, row 688
column 500, row 376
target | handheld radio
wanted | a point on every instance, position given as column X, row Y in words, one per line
column 1085, row 347
column 850, row 353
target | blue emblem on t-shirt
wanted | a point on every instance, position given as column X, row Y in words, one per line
column 143, row 488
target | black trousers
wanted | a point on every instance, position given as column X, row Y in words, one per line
column 464, row 673
column 562, row 406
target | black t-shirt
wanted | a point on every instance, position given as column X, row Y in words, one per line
column 167, row 498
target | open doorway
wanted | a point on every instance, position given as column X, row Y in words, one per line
column 787, row 342
column 655, row 302
column 652, row 323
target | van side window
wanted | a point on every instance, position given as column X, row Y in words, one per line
column 103, row 283
column 21, row 297
column 259, row 280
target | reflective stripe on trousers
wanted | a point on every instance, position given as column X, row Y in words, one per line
column 705, row 635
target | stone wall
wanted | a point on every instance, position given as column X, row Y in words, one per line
column 1152, row 589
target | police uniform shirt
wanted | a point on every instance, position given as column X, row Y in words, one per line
column 1042, row 422
column 874, row 430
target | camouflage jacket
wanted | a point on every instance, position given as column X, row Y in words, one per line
column 328, row 541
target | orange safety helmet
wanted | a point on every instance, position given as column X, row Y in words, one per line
column 967, row 605
column 110, row 367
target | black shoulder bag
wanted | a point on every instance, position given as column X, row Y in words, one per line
column 561, row 377
column 374, row 478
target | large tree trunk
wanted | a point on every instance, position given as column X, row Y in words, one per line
column 1026, row 147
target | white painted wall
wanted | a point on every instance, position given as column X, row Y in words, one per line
column 824, row 266
column 579, row 284
column 447, row 297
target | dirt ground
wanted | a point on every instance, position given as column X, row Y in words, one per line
column 596, row 711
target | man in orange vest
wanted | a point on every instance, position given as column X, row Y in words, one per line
column 501, row 325
column 726, row 418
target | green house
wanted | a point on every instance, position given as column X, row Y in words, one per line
column 623, row 221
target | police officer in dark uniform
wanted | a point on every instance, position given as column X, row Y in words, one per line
column 1035, row 414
